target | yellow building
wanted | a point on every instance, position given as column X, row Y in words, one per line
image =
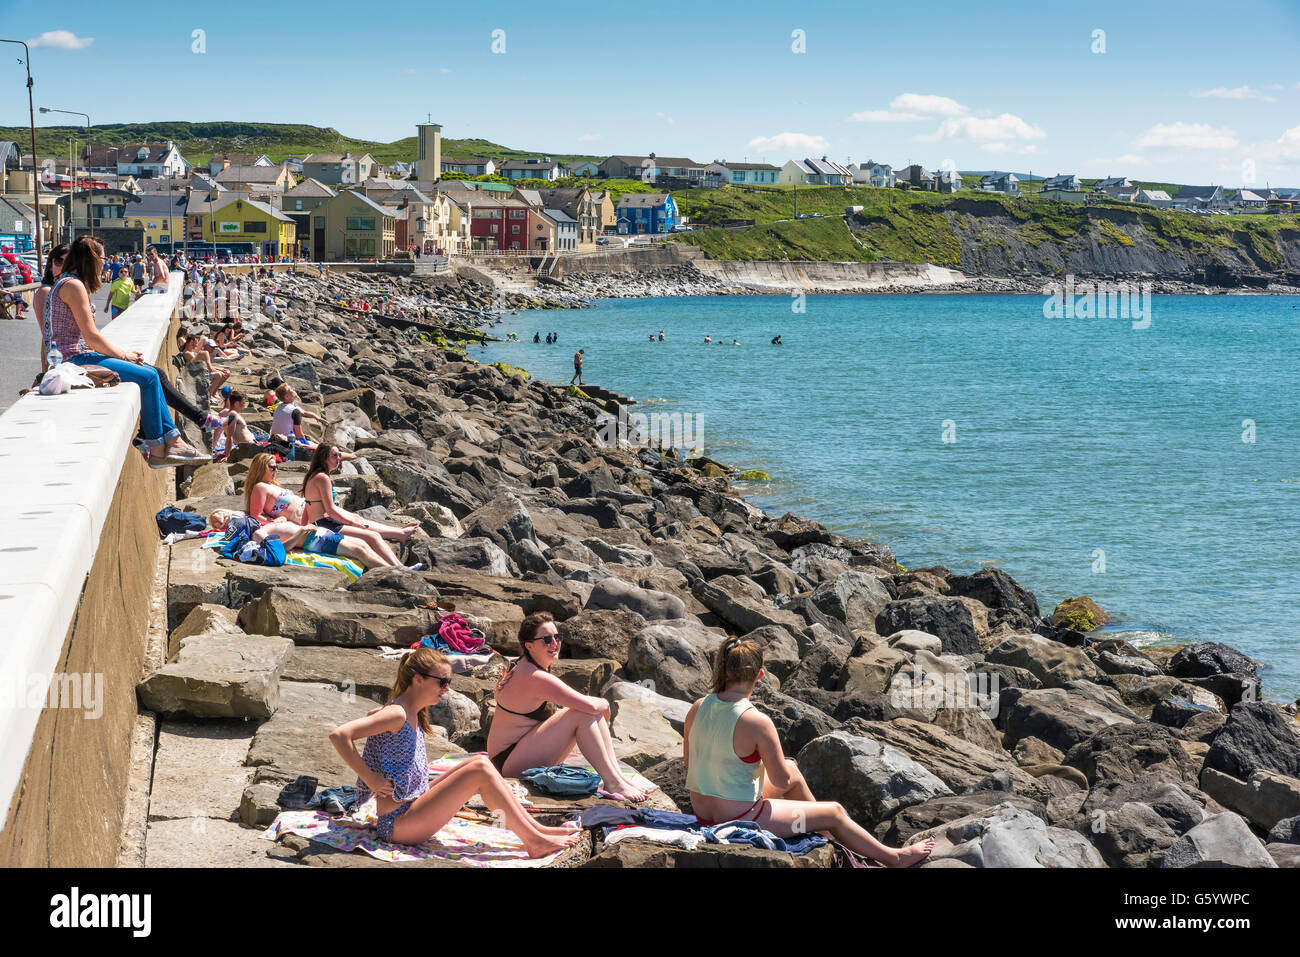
column 265, row 229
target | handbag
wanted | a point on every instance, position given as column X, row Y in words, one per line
column 101, row 376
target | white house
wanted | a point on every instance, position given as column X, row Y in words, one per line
column 872, row 173
column 1006, row 183
column 1249, row 198
column 947, row 180
column 744, row 174
column 1154, row 197
column 566, row 230
column 469, row 166
column 814, row 172
column 1065, row 181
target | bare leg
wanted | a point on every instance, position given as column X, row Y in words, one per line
column 361, row 552
column 433, row 809
column 372, row 537
column 595, row 736
column 797, row 818
column 798, row 789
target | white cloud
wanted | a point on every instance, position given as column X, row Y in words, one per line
column 1131, row 159
column 61, row 39
column 1004, row 127
column 909, row 107
column 666, row 118
column 1196, row 136
column 884, row 116
column 1236, row 93
column 589, row 137
column 444, row 69
column 1275, row 86
column 1008, row 148
column 928, row 104
column 789, row 143
column 410, row 71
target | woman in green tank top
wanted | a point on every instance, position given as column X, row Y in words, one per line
column 736, row 770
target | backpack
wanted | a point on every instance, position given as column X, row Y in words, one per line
column 241, row 547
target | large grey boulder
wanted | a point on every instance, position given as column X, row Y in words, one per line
column 996, row 589
column 504, row 519
column 1126, row 752
column 1051, row 662
column 219, row 674
column 960, row 764
column 674, row 710
column 642, row 736
column 853, row 598
column 600, row 633
column 1060, row 717
column 797, row 722
column 951, row 620
column 464, row 554
column 353, row 620
column 1257, row 736
column 780, row 651
column 1264, row 800
column 1221, row 840
column 871, row 780
column 613, row 594
column 676, row 655
column 1010, row 836
column 729, row 598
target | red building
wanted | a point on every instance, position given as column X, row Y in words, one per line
column 509, row 224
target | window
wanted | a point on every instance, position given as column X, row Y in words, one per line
column 254, row 226
column 518, row 214
column 515, row 228
column 297, row 204
column 361, row 222
column 494, row 227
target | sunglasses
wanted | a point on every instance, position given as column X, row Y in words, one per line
column 549, row 639
column 443, row 683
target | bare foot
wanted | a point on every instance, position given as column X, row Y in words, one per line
column 629, row 791
column 408, row 530
column 547, row 829
column 914, row 853
column 546, row 844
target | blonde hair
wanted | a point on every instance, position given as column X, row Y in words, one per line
column 422, row 661
column 257, row 470
column 737, row 660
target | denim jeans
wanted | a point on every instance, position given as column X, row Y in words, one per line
column 155, row 418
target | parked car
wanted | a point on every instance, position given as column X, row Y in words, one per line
column 602, row 240
column 682, row 228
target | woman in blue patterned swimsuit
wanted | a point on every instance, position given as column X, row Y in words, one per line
column 394, row 766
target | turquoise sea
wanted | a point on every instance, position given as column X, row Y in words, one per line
column 1153, row 469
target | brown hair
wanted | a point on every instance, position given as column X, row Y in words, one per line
column 738, row 659
column 83, row 261
column 528, row 632
column 320, row 463
column 236, row 396
column 282, row 391
column 421, row 661
column 257, row 470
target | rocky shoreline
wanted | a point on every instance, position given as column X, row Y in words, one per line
column 927, row 702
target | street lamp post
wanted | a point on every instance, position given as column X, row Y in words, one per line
column 90, row 218
column 36, row 179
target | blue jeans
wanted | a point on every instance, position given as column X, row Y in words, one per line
column 155, row 418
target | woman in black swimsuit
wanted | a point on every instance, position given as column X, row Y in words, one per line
column 528, row 731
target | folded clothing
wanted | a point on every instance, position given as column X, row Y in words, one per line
column 660, row 835
column 562, row 780
column 609, row 817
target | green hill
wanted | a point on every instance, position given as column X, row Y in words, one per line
column 199, row 141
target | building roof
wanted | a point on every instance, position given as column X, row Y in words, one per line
column 112, row 155
column 466, row 161
column 642, row 200
column 560, row 216
column 826, row 167
column 1196, row 192
column 250, row 174
column 310, row 187
column 657, row 160
column 16, row 208
column 264, row 207
column 334, row 157
column 160, row 204
column 531, row 197
column 241, row 159
column 9, row 154
column 767, row 166
column 1060, row 181
column 1157, row 194
column 363, row 198
column 1110, row 181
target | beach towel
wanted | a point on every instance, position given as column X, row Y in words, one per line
column 304, row 559
column 455, row 631
column 471, row 843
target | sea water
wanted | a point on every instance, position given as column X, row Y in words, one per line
column 1153, row 469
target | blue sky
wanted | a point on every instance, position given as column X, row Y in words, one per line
column 1190, row 92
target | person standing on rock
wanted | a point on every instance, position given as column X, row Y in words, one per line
column 528, row 732
column 736, row 770
column 394, row 767
column 577, row 367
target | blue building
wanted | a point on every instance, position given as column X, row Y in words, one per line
column 646, row 213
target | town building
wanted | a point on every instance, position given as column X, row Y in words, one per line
column 646, row 213
column 250, row 224
column 745, row 174
column 338, row 169
column 815, row 172
column 351, row 225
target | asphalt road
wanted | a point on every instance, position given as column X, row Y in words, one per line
column 20, row 348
